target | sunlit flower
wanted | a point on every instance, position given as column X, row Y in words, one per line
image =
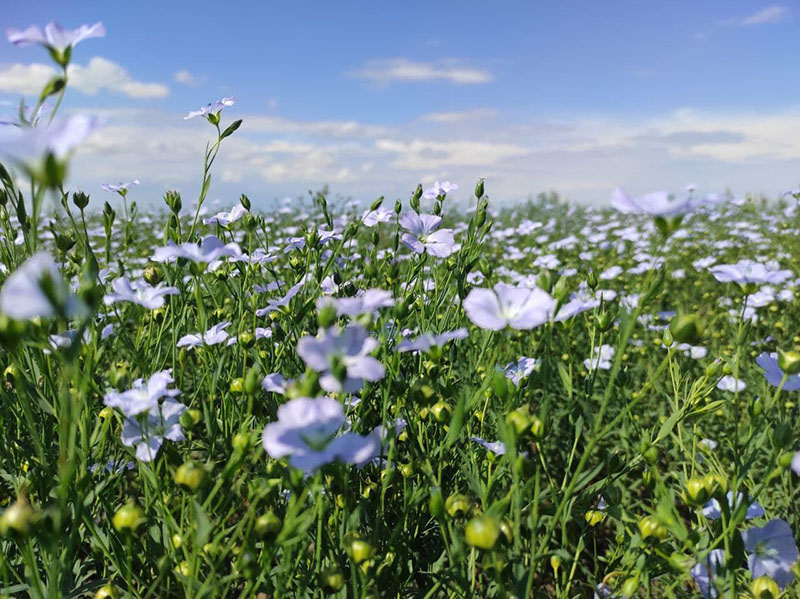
column 342, row 357
column 210, row 249
column 713, row 509
column 705, row 571
column 160, row 423
column 144, row 395
column 226, row 218
column 772, row 551
column 119, row 187
column 424, row 235
column 139, row 292
column 425, row 342
column 306, row 432
column 520, row 308
column 601, row 358
column 379, row 215
column 522, row 368
column 213, row 336
column 369, row 302
column 439, row 189
column 54, row 35
column 774, row 374
column 729, row 383
column 657, row 203
column 212, row 108
column 748, row 271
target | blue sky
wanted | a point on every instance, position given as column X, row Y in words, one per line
column 373, row 97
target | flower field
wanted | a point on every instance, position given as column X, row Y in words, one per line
column 406, row 399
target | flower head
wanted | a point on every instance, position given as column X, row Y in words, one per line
column 657, row 203
column 212, row 107
column 520, row 308
column 54, row 35
column 210, row 249
column 148, row 433
column 774, row 374
column 342, row 357
column 439, row 189
column 144, row 395
column 120, row 187
column 139, row 292
column 424, row 235
column 772, row 551
column 748, row 271
column 306, row 431
column 226, row 218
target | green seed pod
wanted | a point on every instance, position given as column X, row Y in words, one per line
column 360, row 550
column 789, row 362
column 107, row 591
column 687, row 328
column 190, row 418
column 630, row 588
column 519, row 421
column 436, row 503
column 441, row 412
column 128, row 518
column 252, row 380
column 652, row 529
column 331, row 580
column 17, row 518
column 482, row 532
column 457, row 505
column 716, row 484
column 765, row 588
column 327, row 316
column 190, row 476
column 696, row 491
column 268, row 525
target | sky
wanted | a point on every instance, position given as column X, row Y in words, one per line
column 371, row 98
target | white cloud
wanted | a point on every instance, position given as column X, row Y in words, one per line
column 583, row 158
column 459, row 116
column 99, row 75
column 103, row 75
column 770, row 14
column 383, row 71
column 184, row 77
column 25, row 79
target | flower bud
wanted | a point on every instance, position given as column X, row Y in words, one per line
column 252, row 380
column 594, row 517
column 764, row 587
column 555, row 563
column 80, row 199
column 244, row 201
column 153, row 274
column 128, row 518
column 190, row 476
column 479, row 189
column 537, row 427
column 630, row 588
column 173, row 201
column 482, row 532
column 789, row 362
column 591, row 280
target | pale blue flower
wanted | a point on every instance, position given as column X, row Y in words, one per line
column 54, row 35
column 772, row 551
column 520, row 308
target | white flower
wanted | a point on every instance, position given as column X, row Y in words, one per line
column 138, row 292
